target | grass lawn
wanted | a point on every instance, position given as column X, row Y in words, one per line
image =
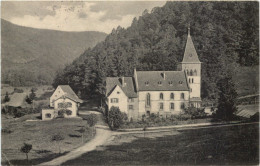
column 223, row 146
column 39, row 133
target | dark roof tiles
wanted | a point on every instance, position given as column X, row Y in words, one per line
column 154, row 81
column 128, row 88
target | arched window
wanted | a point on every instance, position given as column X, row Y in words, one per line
column 189, row 80
column 195, row 72
column 172, row 96
column 191, row 72
column 161, row 96
column 148, row 99
column 188, row 72
column 182, row 95
column 192, row 80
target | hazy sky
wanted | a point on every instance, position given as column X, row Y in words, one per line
column 75, row 16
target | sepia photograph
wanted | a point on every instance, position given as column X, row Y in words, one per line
column 129, row 83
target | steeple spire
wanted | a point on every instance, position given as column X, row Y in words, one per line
column 190, row 54
column 189, row 29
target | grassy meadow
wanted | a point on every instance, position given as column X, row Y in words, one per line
column 16, row 132
column 236, row 145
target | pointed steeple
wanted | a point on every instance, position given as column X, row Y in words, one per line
column 190, row 54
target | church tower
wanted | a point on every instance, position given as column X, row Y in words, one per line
column 192, row 67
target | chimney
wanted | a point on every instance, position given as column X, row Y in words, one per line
column 164, row 76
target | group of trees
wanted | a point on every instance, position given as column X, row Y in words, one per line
column 224, row 34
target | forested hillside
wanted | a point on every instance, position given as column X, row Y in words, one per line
column 32, row 56
column 225, row 35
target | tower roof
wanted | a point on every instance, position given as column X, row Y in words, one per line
column 190, row 54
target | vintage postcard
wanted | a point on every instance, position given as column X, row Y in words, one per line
column 129, row 83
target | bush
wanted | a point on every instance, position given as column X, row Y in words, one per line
column 115, row 118
column 16, row 90
column 91, row 119
column 195, row 113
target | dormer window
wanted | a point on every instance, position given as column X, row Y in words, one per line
column 180, row 82
column 146, row 83
column 160, row 83
column 170, row 82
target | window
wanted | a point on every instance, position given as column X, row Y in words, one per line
column 114, row 100
column 48, row 115
column 188, row 72
column 180, row 82
column 118, row 92
column 148, row 99
column 60, row 105
column 172, row 106
column 130, row 107
column 189, row 80
column 146, row 83
column 195, row 72
column 160, row 83
column 170, row 82
column 161, row 96
column 69, row 104
column 161, row 106
column 130, row 100
column 172, row 96
column 191, row 73
column 192, row 80
column 182, row 105
column 182, row 95
column 190, row 89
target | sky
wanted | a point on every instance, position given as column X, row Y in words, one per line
column 75, row 15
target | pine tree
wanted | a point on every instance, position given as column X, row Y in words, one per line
column 227, row 98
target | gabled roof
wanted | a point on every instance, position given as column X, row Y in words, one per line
column 174, row 81
column 128, row 88
column 190, row 54
column 17, row 100
column 68, row 92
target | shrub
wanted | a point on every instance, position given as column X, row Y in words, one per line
column 16, row 90
column 195, row 112
column 115, row 118
column 91, row 119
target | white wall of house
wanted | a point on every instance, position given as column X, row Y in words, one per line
column 155, row 101
column 47, row 114
column 57, row 94
column 73, row 108
column 121, row 98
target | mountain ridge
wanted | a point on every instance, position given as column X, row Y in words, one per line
column 32, row 56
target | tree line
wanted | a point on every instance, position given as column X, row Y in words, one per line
column 225, row 35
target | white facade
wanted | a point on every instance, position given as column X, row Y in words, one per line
column 57, row 94
column 194, row 79
column 73, row 106
column 167, row 101
column 118, row 99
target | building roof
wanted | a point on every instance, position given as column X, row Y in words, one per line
column 190, row 54
column 17, row 100
column 174, row 81
column 68, row 92
column 128, row 88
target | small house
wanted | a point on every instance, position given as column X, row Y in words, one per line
column 63, row 101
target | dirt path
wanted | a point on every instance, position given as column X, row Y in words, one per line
column 102, row 135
